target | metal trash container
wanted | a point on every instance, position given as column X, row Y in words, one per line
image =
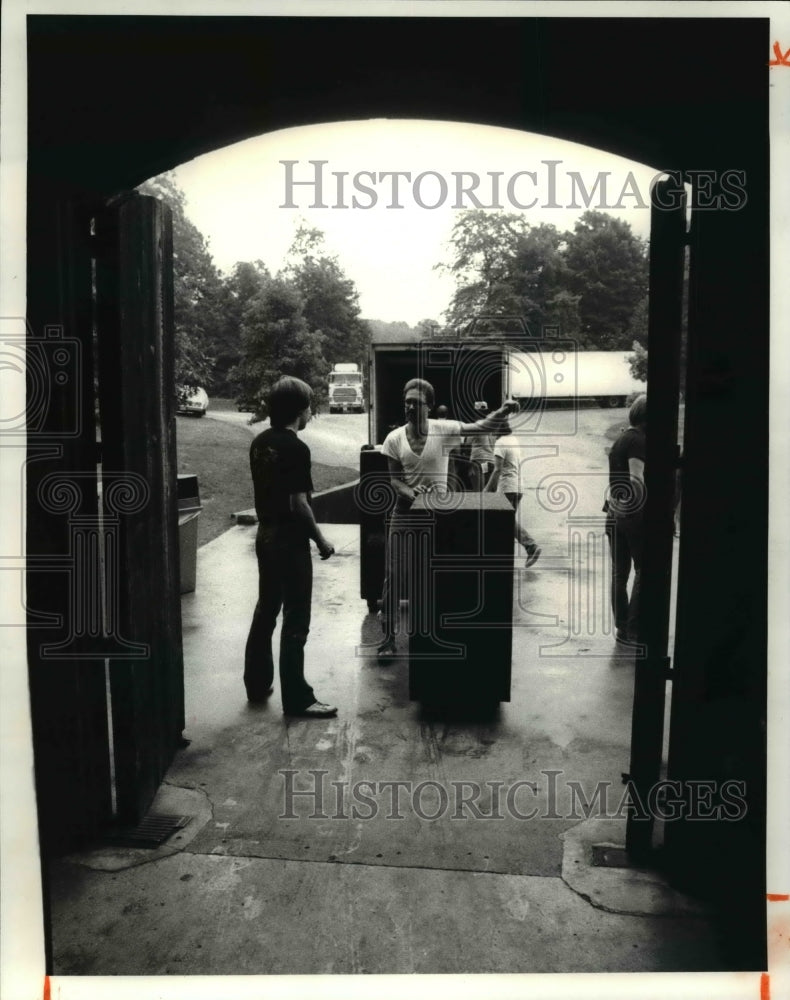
column 189, row 508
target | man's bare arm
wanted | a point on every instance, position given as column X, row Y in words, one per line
column 491, row 423
column 402, row 488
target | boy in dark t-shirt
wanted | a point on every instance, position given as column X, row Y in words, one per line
column 624, row 528
column 282, row 481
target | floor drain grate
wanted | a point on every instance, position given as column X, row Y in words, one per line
column 604, row 856
column 149, row 832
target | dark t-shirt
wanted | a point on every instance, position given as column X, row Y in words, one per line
column 630, row 444
column 280, row 466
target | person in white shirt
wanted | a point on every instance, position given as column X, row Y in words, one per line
column 418, row 455
column 481, row 455
column 506, row 478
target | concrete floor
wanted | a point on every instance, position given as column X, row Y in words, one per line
column 242, row 890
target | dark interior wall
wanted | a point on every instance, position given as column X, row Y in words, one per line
column 115, row 100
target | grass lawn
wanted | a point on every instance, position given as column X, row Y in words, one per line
column 218, row 454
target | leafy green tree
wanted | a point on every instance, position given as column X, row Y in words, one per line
column 607, row 268
column 586, row 282
column 246, row 280
column 637, row 363
column 198, row 290
column 562, row 310
column 484, row 248
column 276, row 341
column 331, row 300
column 637, row 328
column 395, row 332
column 539, row 281
column 505, row 266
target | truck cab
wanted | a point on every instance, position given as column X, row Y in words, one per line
column 345, row 389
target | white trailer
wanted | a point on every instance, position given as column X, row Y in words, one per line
column 555, row 373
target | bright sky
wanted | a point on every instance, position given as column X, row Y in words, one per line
column 241, row 200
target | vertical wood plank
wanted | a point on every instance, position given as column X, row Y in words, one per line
column 138, row 434
column 67, row 685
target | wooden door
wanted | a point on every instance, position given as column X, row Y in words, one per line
column 134, row 320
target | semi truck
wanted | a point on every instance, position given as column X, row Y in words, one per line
column 345, row 389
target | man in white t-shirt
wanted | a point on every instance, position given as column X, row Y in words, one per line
column 506, row 477
column 418, row 455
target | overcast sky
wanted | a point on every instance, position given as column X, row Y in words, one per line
column 248, row 202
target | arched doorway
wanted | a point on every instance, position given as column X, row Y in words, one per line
column 707, row 119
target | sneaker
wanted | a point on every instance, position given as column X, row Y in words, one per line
column 533, row 554
column 316, row 711
column 624, row 639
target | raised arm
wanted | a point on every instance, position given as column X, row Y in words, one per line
column 490, row 423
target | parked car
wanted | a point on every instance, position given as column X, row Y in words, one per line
column 192, row 402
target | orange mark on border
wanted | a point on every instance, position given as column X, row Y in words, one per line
column 777, row 897
column 782, row 58
column 46, row 988
column 765, row 986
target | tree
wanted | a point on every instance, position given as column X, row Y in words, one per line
column 637, row 328
column 607, row 268
column 562, row 310
column 505, row 266
column 395, row 332
column 245, row 282
column 637, row 363
column 198, row 291
column 484, row 246
column 330, row 299
column 539, row 281
column 276, row 341
column 586, row 282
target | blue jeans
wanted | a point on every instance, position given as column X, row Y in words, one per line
column 285, row 581
column 625, row 541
